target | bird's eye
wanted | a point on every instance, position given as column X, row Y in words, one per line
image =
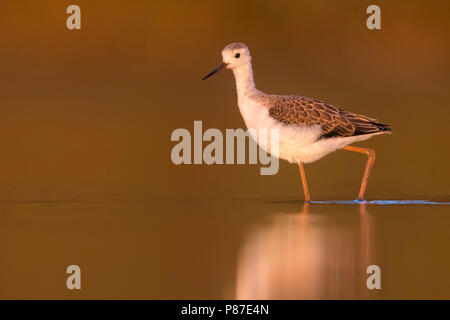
column 237, row 55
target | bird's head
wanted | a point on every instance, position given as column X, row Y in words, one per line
column 234, row 56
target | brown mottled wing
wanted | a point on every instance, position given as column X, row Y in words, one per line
column 333, row 120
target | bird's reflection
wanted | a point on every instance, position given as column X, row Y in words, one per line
column 313, row 254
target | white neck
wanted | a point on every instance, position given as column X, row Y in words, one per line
column 245, row 84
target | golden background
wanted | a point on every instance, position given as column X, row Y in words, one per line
column 89, row 113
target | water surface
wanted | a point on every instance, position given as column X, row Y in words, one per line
column 213, row 249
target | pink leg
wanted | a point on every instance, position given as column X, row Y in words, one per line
column 370, row 161
column 304, row 183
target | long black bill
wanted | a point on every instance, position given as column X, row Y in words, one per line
column 220, row 66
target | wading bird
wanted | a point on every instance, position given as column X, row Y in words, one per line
column 308, row 129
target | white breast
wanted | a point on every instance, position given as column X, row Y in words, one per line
column 292, row 139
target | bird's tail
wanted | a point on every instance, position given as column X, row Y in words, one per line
column 366, row 125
